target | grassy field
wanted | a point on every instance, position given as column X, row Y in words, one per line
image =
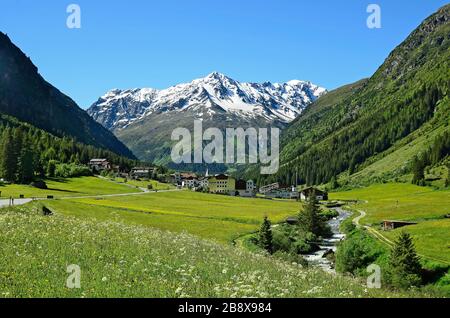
column 67, row 187
column 398, row 201
column 156, row 185
column 217, row 217
column 120, row 260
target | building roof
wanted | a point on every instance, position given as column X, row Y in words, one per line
column 142, row 168
column 186, row 175
column 221, row 177
column 99, row 160
column 309, row 190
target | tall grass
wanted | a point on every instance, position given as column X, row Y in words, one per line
column 119, row 260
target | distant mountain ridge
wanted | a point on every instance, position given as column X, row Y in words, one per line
column 144, row 118
column 215, row 93
column 24, row 94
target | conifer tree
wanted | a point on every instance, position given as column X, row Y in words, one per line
column 308, row 217
column 26, row 167
column 8, row 162
column 418, row 171
column 405, row 268
column 265, row 236
column 447, row 180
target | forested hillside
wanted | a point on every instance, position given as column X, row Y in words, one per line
column 27, row 152
column 353, row 127
column 24, row 94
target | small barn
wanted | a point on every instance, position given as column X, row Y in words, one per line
column 389, row 225
column 306, row 194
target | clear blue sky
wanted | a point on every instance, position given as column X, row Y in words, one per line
column 145, row 43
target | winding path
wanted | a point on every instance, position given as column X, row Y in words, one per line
column 6, row 203
column 384, row 239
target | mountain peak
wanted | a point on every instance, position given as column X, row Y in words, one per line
column 216, row 75
column 214, row 93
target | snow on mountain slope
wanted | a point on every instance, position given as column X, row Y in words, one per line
column 215, row 93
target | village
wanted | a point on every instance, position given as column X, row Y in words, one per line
column 222, row 184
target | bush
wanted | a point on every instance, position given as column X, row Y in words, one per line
column 281, row 241
column 358, row 251
column 301, row 246
column 39, row 184
column 290, row 239
column 348, row 226
column 329, row 214
column 64, row 170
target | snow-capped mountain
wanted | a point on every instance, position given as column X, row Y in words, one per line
column 216, row 93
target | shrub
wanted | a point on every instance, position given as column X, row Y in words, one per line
column 281, row 241
column 64, row 170
column 39, row 184
column 357, row 252
column 348, row 226
column 329, row 214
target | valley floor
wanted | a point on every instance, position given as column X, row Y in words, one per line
column 155, row 244
column 120, row 260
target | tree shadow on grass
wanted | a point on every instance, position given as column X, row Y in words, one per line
column 60, row 190
column 434, row 274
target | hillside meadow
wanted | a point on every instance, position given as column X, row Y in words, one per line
column 407, row 202
column 121, row 260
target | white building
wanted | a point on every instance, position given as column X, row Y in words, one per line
column 99, row 164
column 189, row 182
column 203, row 182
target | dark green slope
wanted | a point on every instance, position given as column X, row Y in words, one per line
column 344, row 129
column 25, row 95
column 318, row 120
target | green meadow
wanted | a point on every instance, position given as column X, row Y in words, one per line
column 218, row 217
column 59, row 187
column 407, row 202
column 174, row 244
column 122, row 260
column 156, row 185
